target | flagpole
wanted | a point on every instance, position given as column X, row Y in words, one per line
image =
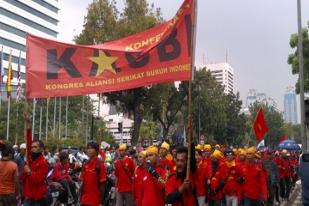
column 55, row 111
column 46, row 128
column 33, row 116
column 8, row 119
column 59, row 128
column 82, row 126
column 66, row 117
column 87, row 119
column 16, row 134
column 193, row 39
column 40, row 131
column 99, row 105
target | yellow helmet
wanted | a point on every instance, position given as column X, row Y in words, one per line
column 152, row 150
column 198, row 147
column 142, row 154
column 251, row 150
column 122, row 147
column 241, row 152
column 165, row 145
column 284, row 152
column 207, row 147
column 217, row 154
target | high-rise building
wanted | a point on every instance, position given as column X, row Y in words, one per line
column 257, row 97
column 19, row 17
column 290, row 106
column 224, row 74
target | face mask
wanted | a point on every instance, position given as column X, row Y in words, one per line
column 35, row 155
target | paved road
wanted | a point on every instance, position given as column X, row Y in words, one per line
column 295, row 199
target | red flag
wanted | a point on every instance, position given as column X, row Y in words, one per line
column 259, row 125
column 160, row 54
column 282, row 138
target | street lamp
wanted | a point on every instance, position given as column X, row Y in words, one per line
column 301, row 77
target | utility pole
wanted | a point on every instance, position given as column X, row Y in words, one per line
column 301, row 77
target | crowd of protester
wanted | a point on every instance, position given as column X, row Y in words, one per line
column 150, row 176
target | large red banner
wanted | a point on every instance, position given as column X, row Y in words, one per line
column 160, row 54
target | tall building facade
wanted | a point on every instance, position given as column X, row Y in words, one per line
column 17, row 19
column 224, row 74
column 290, row 106
column 254, row 96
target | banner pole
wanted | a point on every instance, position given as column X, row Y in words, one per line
column 33, row 117
column 55, row 115
column 46, row 128
column 66, row 117
column 193, row 39
column 40, row 131
column 59, row 128
column 8, row 119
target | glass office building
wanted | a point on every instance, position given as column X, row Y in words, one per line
column 17, row 19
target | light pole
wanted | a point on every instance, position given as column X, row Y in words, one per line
column 301, row 77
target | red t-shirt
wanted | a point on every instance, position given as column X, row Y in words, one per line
column 140, row 172
column 93, row 173
column 153, row 193
column 34, row 185
column 255, row 182
column 187, row 197
column 124, row 171
column 61, row 172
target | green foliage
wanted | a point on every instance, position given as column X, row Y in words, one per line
column 16, row 120
column 220, row 116
column 104, row 23
column 274, row 122
column 164, row 104
column 293, row 58
column 149, row 131
column 292, row 131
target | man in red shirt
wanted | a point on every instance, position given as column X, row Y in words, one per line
column 216, row 176
column 34, row 177
column 154, row 179
column 254, row 186
column 232, row 189
column 201, row 175
column 139, row 174
column 93, row 177
column 284, row 174
column 165, row 162
column 61, row 174
column 124, row 172
column 179, row 190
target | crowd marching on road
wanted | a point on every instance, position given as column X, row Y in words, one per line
column 151, row 176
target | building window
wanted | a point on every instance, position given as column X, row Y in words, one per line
column 14, row 59
column 32, row 11
column 28, row 22
column 13, row 30
column 46, row 5
column 12, row 44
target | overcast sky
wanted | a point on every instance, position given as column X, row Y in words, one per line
column 255, row 33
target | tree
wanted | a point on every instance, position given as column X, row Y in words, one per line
column 219, row 113
column 136, row 16
column 164, row 103
column 274, row 122
column 293, row 58
column 100, row 23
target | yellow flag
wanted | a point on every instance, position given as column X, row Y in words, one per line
column 10, row 77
